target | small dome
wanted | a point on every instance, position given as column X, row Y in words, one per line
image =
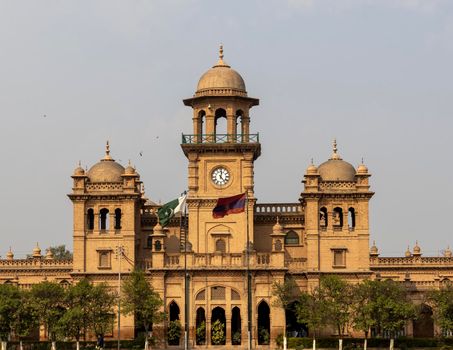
column 277, row 228
column 417, row 249
column 448, row 252
column 158, row 228
column 49, row 255
column 312, row 169
column 107, row 170
column 374, row 249
column 9, row 255
column 221, row 76
column 129, row 170
column 36, row 251
column 408, row 253
column 79, row 171
column 362, row 169
column 336, row 169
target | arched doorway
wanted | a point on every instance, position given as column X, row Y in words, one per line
column 236, row 326
column 218, row 325
column 293, row 327
column 264, row 324
column 200, row 324
column 174, row 327
column 424, row 324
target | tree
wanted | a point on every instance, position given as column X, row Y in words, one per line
column 442, row 303
column 25, row 318
column 47, row 300
column 60, row 253
column 100, row 307
column 78, row 298
column 311, row 310
column 337, row 296
column 363, row 307
column 174, row 332
column 10, row 300
column 284, row 293
column 140, row 299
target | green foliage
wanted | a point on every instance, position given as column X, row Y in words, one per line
column 10, row 300
column 218, row 333
column 337, row 296
column 279, row 340
column 60, row 253
column 363, row 306
column 236, row 340
column 390, row 306
column 101, row 304
column 201, row 333
column 263, row 336
column 284, row 293
column 47, row 300
column 312, row 311
column 442, row 302
column 25, row 318
column 140, row 299
column 78, row 298
column 174, row 332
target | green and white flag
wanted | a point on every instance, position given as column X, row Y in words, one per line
column 171, row 209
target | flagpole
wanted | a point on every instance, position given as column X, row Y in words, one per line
column 249, row 289
column 186, row 280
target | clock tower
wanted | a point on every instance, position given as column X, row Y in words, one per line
column 221, row 153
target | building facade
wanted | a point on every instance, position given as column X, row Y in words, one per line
column 325, row 232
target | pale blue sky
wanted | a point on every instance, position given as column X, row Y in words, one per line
column 375, row 74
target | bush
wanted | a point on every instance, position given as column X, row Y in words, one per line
column 201, row 333
column 218, row 333
column 174, row 332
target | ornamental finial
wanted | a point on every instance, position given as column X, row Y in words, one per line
column 221, row 52
column 107, row 151
column 335, row 155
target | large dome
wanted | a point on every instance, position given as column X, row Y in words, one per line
column 221, row 80
column 336, row 169
column 107, row 170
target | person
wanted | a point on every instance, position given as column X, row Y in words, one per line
column 100, row 343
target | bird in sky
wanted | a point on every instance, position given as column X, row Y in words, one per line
column 141, row 153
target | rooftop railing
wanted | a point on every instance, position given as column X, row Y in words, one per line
column 220, row 138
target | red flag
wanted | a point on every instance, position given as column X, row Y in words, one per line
column 229, row 205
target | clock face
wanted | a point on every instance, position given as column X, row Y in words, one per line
column 220, row 176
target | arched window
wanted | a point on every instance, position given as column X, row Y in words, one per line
column 292, row 238
column 90, row 219
column 104, row 219
column 201, row 295
column 158, row 246
column 351, row 218
column 323, row 217
column 236, row 326
column 337, row 217
column 220, row 121
column 220, row 245
column 117, row 219
column 264, row 324
column 201, row 120
column 239, row 125
column 218, row 326
column 201, row 327
column 278, row 246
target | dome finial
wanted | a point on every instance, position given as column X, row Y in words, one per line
column 335, row 155
column 220, row 62
column 107, row 151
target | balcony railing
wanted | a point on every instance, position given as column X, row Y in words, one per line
column 220, row 138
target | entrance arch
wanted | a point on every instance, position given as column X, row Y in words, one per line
column 293, row 327
column 218, row 326
column 264, row 323
column 424, row 324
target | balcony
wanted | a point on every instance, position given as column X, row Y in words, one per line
column 219, row 138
